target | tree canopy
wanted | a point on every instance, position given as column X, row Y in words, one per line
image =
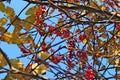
column 68, row 39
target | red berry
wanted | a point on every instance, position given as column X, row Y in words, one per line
column 82, row 37
column 91, row 76
column 97, row 55
column 88, row 71
column 61, row 57
column 0, row 37
column 91, row 73
column 89, row 67
column 118, row 26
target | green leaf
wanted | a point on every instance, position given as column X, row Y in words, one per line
column 3, row 61
column 2, row 7
column 31, row 10
column 2, row 21
column 9, row 11
column 16, row 63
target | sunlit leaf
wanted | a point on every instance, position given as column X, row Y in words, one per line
column 3, row 61
column 9, row 11
column 118, row 34
column 100, row 42
column 43, row 55
column 117, row 61
column 2, row 21
column 26, row 39
column 2, row 7
column 103, row 7
column 68, row 5
column 84, row 41
column 28, row 23
column 116, row 52
column 7, row 37
column 31, row 10
column 38, row 69
column 94, row 4
column 16, row 63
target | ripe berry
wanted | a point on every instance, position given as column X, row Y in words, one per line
column 82, row 37
column 118, row 26
column 0, row 37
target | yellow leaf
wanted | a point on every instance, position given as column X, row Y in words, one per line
column 3, row 61
column 38, row 69
column 2, row 7
column 84, row 41
column 117, row 62
column 104, row 35
column 118, row 34
column 94, row 4
column 78, row 3
column 16, row 63
column 43, row 55
column 116, row 52
column 7, row 37
column 2, row 21
column 68, row 5
column 100, row 42
column 28, row 23
column 31, row 10
column 2, row 29
column 103, row 7
column 9, row 11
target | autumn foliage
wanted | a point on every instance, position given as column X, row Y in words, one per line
column 67, row 39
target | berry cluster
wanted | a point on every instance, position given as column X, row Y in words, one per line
column 56, row 58
column 44, row 46
column 39, row 20
column 89, row 73
column 40, row 15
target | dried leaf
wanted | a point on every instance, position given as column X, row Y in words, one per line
column 3, row 61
